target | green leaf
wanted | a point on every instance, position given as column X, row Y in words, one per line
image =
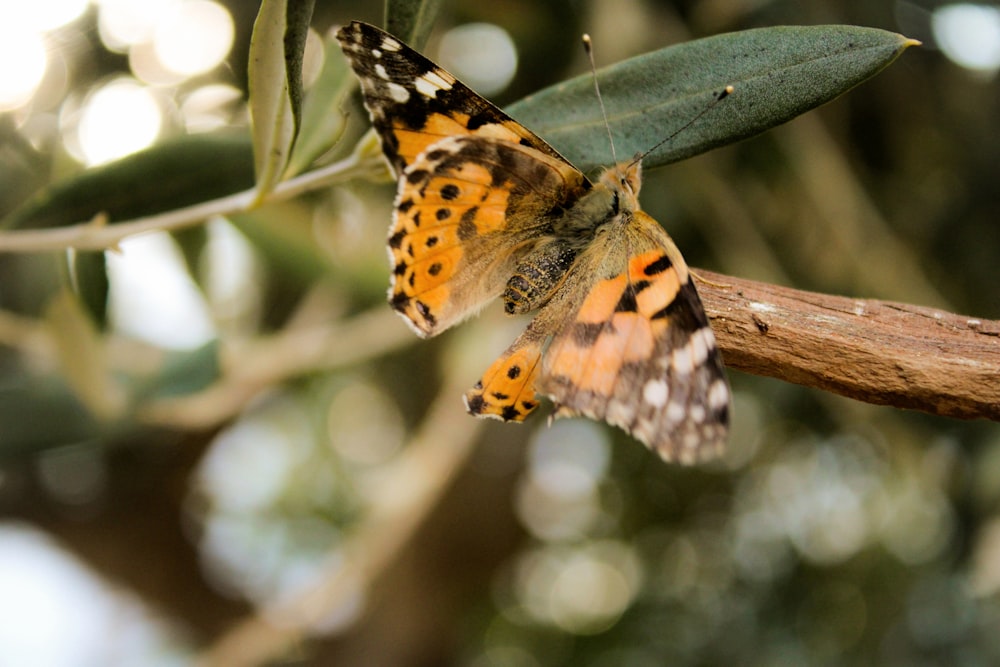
column 38, row 413
column 90, row 280
column 165, row 177
column 182, row 372
column 411, row 20
column 323, row 119
column 168, row 176
column 275, row 82
column 778, row 73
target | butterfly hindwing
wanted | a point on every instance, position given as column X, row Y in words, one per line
column 638, row 351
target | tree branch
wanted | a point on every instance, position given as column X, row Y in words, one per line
column 874, row 351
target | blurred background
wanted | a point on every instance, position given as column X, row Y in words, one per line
column 219, row 446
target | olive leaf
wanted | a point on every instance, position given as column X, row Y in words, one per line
column 777, row 73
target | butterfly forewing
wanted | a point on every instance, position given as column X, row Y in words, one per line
column 414, row 103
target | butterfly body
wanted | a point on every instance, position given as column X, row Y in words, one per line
column 486, row 209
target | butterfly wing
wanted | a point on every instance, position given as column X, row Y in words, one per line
column 414, row 103
column 637, row 350
column 475, row 187
column 467, row 211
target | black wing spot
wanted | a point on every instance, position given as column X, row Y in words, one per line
column 434, row 268
column 399, row 301
column 500, row 396
column 685, row 311
column 442, row 213
column 627, row 303
column 396, row 240
column 478, row 120
column 432, row 241
column 476, row 404
column 405, row 205
column 514, row 372
column 510, row 413
column 450, row 192
column 659, row 266
column 416, row 176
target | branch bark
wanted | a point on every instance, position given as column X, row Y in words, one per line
column 875, row 351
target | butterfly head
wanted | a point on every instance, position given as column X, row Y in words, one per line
column 624, row 179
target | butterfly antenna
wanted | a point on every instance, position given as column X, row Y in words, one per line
column 589, row 48
column 726, row 92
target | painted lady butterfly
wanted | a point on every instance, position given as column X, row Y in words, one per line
column 486, row 208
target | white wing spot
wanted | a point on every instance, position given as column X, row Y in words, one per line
column 682, row 360
column 718, row 394
column 692, row 439
column 397, row 92
column 376, row 53
column 380, row 70
column 697, row 413
column 676, row 412
column 619, row 414
column 389, row 44
column 655, row 393
column 430, row 83
column 702, row 341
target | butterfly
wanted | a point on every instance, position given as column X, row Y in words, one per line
column 485, row 208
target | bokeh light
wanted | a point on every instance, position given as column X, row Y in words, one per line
column 27, row 49
column 22, row 41
column 365, row 425
column 122, row 23
column 55, row 612
column 210, row 107
column 558, row 498
column 153, row 296
column 193, row 37
column 118, row 118
column 273, row 543
column 581, row 590
column 969, row 34
column 43, row 15
column 482, row 55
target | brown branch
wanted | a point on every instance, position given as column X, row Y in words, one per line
column 875, row 351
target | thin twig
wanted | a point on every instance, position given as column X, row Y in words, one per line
column 97, row 234
column 250, row 367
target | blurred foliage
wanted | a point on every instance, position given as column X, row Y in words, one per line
column 233, row 479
